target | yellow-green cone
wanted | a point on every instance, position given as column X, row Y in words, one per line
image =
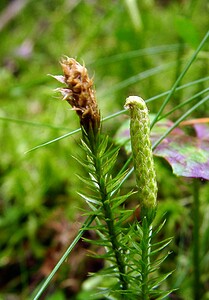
column 142, row 155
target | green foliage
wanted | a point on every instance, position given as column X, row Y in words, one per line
column 187, row 31
column 100, row 161
column 130, row 253
column 41, row 186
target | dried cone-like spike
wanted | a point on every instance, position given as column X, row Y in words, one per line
column 142, row 155
column 79, row 93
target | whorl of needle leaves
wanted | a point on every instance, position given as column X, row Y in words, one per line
column 79, row 93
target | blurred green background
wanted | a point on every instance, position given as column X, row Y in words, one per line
column 129, row 47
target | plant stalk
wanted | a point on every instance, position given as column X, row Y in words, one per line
column 196, row 241
column 145, row 266
column 109, row 218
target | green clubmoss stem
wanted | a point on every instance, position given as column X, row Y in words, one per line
column 102, row 182
column 79, row 93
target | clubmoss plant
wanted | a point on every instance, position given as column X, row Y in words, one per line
column 129, row 246
column 100, row 159
column 147, row 192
